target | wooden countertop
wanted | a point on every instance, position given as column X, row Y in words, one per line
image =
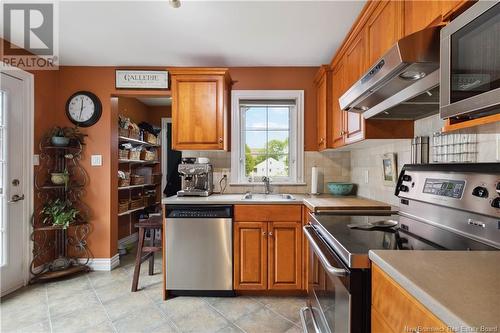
column 328, row 202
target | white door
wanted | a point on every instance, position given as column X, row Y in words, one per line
column 15, row 187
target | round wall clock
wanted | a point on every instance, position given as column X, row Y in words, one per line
column 83, row 108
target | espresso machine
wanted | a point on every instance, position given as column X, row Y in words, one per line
column 197, row 177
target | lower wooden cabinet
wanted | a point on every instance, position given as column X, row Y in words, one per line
column 395, row 310
column 267, row 253
column 267, row 256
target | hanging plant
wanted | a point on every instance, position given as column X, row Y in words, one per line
column 59, row 213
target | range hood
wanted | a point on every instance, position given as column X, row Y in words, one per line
column 403, row 84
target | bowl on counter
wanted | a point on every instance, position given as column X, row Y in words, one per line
column 340, row 188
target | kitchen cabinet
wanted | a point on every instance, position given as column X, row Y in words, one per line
column 338, row 87
column 268, row 247
column 356, row 65
column 323, row 82
column 395, row 310
column 383, row 29
column 200, row 108
column 250, row 255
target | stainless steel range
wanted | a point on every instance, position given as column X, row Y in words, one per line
column 442, row 207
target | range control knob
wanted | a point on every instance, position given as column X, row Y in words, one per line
column 498, row 187
column 407, row 178
column 403, row 188
column 480, row 192
column 495, row 203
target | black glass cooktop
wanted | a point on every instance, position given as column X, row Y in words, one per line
column 353, row 244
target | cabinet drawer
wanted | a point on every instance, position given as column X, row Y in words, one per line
column 266, row 213
column 398, row 309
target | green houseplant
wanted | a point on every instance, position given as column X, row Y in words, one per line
column 62, row 136
column 59, row 213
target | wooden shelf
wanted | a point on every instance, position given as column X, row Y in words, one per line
column 63, row 272
column 131, row 211
column 135, row 141
column 137, row 161
column 450, row 127
column 136, row 186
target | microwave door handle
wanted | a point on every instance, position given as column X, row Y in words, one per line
column 324, row 261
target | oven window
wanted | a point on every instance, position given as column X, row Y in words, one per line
column 475, row 56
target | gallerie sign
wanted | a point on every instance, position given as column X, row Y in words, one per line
column 141, row 79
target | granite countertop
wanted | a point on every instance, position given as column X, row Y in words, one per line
column 462, row 288
column 313, row 202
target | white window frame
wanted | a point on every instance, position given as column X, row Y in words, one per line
column 296, row 141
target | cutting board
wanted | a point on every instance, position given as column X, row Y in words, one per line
column 343, row 203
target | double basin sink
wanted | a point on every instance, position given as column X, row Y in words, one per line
column 266, row 197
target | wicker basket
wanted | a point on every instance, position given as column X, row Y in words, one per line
column 156, row 178
column 123, row 154
column 123, row 132
column 134, row 133
column 150, row 138
column 123, row 206
column 136, row 180
column 123, row 182
column 134, row 155
column 147, row 155
column 136, row 203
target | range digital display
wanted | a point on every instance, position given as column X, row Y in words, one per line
column 444, row 187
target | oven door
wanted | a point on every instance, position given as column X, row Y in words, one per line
column 329, row 301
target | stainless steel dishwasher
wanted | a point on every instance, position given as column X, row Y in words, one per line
column 199, row 250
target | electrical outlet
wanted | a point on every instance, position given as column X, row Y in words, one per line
column 366, row 176
column 96, row 160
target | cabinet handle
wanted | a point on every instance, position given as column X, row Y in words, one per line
column 220, row 140
column 264, row 233
column 270, row 233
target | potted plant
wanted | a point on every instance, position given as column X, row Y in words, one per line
column 62, row 136
column 59, row 213
column 60, row 178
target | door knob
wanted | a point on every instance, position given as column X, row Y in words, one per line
column 16, row 198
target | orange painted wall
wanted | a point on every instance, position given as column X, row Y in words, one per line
column 278, row 78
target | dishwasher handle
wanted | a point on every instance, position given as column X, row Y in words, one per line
column 321, row 256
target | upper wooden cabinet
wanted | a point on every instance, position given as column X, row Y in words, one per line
column 200, row 107
column 420, row 14
column 383, row 29
column 338, row 88
column 323, row 84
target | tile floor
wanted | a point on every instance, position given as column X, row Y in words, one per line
column 102, row 302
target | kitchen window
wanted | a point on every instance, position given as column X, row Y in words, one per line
column 267, row 136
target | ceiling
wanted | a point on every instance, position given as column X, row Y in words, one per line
column 203, row 33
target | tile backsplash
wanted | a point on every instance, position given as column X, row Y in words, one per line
column 332, row 166
column 369, row 160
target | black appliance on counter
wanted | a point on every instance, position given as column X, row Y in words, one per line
column 442, row 207
column 173, row 179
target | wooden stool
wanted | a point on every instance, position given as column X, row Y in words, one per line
column 153, row 223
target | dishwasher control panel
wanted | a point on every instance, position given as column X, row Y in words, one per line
column 199, row 211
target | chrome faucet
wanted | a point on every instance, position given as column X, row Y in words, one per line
column 267, row 184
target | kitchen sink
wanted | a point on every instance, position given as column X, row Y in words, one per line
column 267, row 197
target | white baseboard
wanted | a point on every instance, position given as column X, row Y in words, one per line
column 103, row 264
column 131, row 239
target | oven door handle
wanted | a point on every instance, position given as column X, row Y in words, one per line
column 329, row 267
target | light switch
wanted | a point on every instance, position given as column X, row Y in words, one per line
column 36, row 159
column 96, row 160
column 366, row 176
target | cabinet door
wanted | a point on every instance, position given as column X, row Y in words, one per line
column 384, row 28
column 355, row 66
column 338, row 84
column 420, row 14
column 321, row 104
column 250, row 255
column 198, row 112
column 285, row 256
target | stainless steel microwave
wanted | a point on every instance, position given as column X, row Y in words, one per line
column 470, row 63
